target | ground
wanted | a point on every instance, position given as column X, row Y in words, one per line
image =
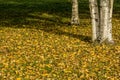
column 37, row 42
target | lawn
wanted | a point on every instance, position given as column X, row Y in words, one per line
column 37, row 42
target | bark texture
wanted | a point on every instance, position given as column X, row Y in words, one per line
column 101, row 14
column 75, row 13
column 95, row 19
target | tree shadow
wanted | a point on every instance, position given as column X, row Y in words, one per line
column 41, row 15
column 18, row 14
column 71, row 34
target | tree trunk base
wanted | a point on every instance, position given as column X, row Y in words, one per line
column 104, row 42
column 73, row 22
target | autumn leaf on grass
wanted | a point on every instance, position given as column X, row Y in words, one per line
column 18, row 79
column 4, row 50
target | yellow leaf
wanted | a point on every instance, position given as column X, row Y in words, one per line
column 18, row 79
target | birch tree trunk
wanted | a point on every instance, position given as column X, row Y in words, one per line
column 75, row 13
column 102, row 20
column 95, row 19
column 104, row 12
column 106, row 21
column 110, row 39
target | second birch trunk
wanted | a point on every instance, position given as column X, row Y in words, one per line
column 75, row 13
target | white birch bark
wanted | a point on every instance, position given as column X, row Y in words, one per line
column 106, row 21
column 95, row 19
column 75, row 13
column 102, row 20
column 104, row 9
column 110, row 39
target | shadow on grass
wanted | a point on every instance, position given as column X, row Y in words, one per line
column 41, row 14
column 69, row 34
column 18, row 14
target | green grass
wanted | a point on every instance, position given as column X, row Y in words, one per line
column 38, row 43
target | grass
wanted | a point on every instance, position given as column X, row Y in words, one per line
column 37, row 43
